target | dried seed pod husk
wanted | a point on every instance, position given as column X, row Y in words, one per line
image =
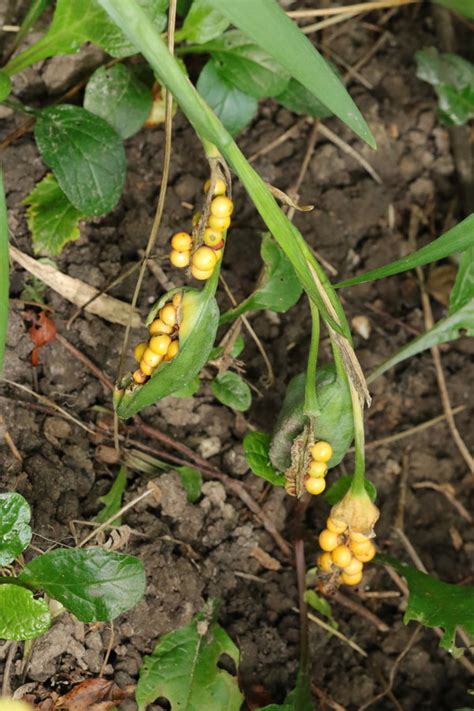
column 300, row 460
column 357, row 512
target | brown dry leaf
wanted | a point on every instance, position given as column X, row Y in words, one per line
column 155, row 491
column 93, row 695
column 118, row 538
column 78, row 292
column 265, row 559
column 440, row 282
column 286, row 200
column 300, row 461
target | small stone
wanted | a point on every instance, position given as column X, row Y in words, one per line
column 209, row 447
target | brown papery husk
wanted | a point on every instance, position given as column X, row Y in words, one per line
column 357, row 512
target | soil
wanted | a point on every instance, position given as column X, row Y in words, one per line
column 193, row 552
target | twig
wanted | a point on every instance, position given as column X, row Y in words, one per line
column 350, row 71
column 336, row 633
column 344, row 146
column 358, row 7
column 325, row 698
column 399, row 518
column 360, row 610
column 279, row 140
column 10, row 443
column 109, row 649
column 368, row 55
column 317, row 26
column 7, row 669
column 158, row 273
column 303, row 608
column 116, row 515
column 99, row 374
column 443, row 489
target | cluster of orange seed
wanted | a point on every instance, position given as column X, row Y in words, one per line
column 163, row 344
column 344, row 550
column 315, row 481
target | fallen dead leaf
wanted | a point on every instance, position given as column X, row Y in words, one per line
column 265, row 559
column 93, row 695
column 41, row 332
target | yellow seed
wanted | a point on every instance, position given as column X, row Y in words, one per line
column 341, row 556
column 328, row 540
column 321, row 451
column 195, row 218
column 157, row 326
column 358, row 537
column 201, row 274
column 315, row 486
column 324, row 562
column 204, row 259
column 351, row 579
column 219, row 253
column 336, row 526
column 180, row 259
column 182, row 242
column 145, row 368
column 317, row 469
column 354, row 567
column 172, row 350
column 168, row 315
column 222, row 206
column 360, row 546
column 151, row 358
column 139, row 350
column 177, row 299
column 159, row 344
column 218, row 223
column 139, row 377
column 365, row 555
column 219, row 189
column 212, row 237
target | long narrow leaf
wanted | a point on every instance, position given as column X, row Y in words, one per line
column 268, row 25
column 457, row 239
column 4, row 272
column 132, row 20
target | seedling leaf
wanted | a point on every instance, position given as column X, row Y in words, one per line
column 112, row 500
column 342, row 485
column 21, row 615
column 234, row 108
column 202, row 23
column 256, row 448
column 453, row 80
column 15, row 531
column 52, row 220
column 435, row 603
column 321, row 605
column 298, row 99
column 183, row 669
column 231, row 390
column 463, row 289
column 191, row 480
column 93, row 584
column 5, row 86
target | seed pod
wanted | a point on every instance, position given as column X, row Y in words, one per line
column 358, row 512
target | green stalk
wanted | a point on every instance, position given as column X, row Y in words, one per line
column 4, row 272
column 34, row 13
column 311, row 406
column 358, row 486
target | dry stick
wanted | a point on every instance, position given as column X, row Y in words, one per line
column 99, row 374
column 158, row 273
column 442, row 489
column 350, row 71
column 372, row 51
column 10, row 443
column 278, row 141
column 6, row 672
column 326, row 699
column 109, row 649
column 116, row 515
column 358, row 7
column 334, row 632
column 360, row 610
column 399, row 518
column 303, row 608
column 393, row 671
column 344, row 146
column 327, row 23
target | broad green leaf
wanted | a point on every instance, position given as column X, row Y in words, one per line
column 453, row 80
column 342, row 485
column 334, row 424
column 463, row 7
column 191, row 479
column 52, row 220
column 15, row 530
column 463, row 289
column 271, row 29
column 115, row 94
column 202, row 23
column 231, row 390
column 75, row 23
column 298, row 99
column 454, row 326
column 256, row 449
column 190, row 389
column 196, row 337
column 321, row 605
column 456, row 106
column 300, row 698
column 21, row 616
column 112, row 500
column 5, row 86
column 234, row 108
column 245, row 65
column 279, row 288
column 4, row 271
column 457, row 239
column 85, row 154
column 436, row 604
column 184, row 670
column 93, row 584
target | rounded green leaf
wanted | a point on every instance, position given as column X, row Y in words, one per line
column 256, row 449
column 15, row 531
column 234, row 108
column 231, row 390
column 5, row 86
column 342, row 485
column 21, row 616
column 115, row 94
column 93, row 584
column 202, row 23
column 85, row 154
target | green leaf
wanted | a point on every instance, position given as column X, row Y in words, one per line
column 300, row 698
column 256, row 449
column 190, row 389
column 93, row 584
column 272, row 30
column 435, row 603
column 453, row 80
column 463, row 7
column 5, row 271
column 298, row 99
column 183, row 669
column 233, row 107
column 75, row 23
column 454, row 326
column 238, row 347
column 231, row 390
column 334, row 424
column 85, row 154
column 457, row 239
column 191, row 479
column 456, row 107
column 115, row 94
column 321, row 605
column 196, row 337
column 5, row 86
column 463, row 289
column 15, row 531
column 279, row 288
column 202, row 23
column 21, row 616
column 342, row 485
column 112, row 500
column 52, row 220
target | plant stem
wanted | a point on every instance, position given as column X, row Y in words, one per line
column 4, row 270
column 358, row 486
column 311, row 406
